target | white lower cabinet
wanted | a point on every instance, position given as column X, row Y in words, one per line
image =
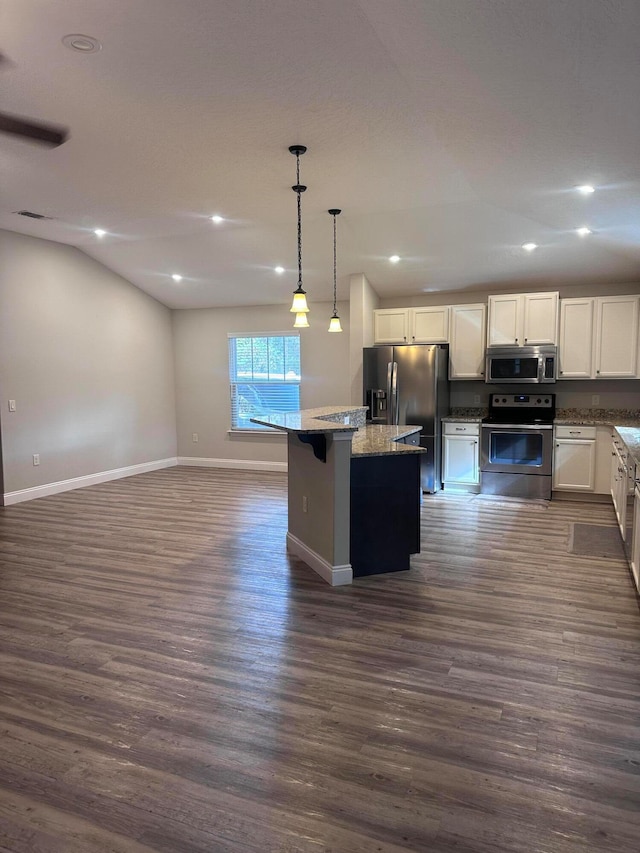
column 635, row 553
column 461, row 455
column 603, row 460
column 574, row 458
column 619, row 481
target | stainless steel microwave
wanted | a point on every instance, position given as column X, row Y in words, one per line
column 521, row 365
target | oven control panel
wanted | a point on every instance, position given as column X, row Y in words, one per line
column 522, row 401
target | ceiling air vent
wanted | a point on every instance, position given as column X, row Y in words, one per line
column 31, row 214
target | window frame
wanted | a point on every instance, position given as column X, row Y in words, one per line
column 259, row 386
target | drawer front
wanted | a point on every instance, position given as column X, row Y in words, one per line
column 588, row 432
column 461, row 429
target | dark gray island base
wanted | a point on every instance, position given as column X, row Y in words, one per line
column 353, row 492
column 385, row 513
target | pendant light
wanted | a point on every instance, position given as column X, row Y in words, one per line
column 334, row 323
column 299, row 305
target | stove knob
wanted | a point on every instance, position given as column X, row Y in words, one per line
column 504, row 399
column 538, row 400
column 546, row 400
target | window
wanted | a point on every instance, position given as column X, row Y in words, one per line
column 264, row 374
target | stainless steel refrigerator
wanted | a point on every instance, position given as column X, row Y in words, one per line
column 410, row 385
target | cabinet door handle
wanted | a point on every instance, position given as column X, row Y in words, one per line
column 516, row 340
column 525, row 340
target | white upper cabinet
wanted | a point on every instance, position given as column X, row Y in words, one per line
column 429, row 325
column 467, row 341
column 575, row 350
column 540, row 318
column 616, row 338
column 391, row 326
column 504, row 320
column 523, row 319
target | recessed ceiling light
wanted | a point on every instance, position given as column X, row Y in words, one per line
column 529, row 247
column 83, row 44
column 394, row 259
column 217, row 219
column 583, row 231
column 279, row 270
column 99, row 232
column 176, row 277
column 586, row 189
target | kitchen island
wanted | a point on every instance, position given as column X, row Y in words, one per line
column 353, row 491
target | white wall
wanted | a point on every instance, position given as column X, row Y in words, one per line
column 88, row 358
column 463, row 297
column 202, row 375
column 363, row 299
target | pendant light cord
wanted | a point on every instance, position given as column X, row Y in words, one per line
column 298, row 190
column 334, row 263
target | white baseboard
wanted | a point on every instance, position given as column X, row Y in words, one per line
column 334, row 575
column 88, row 480
column 239, row 464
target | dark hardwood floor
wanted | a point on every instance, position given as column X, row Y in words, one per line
column 171, row 681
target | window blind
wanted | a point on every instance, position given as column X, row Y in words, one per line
column 264, row 376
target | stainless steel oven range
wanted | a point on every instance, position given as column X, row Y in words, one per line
column 516, row 445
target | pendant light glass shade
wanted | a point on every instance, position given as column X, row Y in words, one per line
column 299, row 305
column 334, row 322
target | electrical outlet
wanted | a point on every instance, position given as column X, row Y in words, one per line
column 305, row 504
column 12, row 405
column 476, row 399
column 194, row 437
column 36, row 458
column 595, row 399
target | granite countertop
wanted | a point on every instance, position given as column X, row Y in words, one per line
column 322, row 419
column 368, row 439
column 380, row 440
column 598, row 417
column 462, row 419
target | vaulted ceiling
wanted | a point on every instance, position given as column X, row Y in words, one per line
column 449, row 132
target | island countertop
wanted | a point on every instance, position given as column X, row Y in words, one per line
column 322, row 419
column 368, row 439
column 382, row 440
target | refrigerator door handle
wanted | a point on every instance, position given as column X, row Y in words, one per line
column 394, row 393
column 389, row 418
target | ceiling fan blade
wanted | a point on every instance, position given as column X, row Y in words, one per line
column 45, row 133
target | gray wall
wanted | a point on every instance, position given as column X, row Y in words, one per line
column 88, row 359
column 324, row 528
column 202, row 375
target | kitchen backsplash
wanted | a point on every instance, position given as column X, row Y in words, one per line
column 612, row 416
column 608, row 394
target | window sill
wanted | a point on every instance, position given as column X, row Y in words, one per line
column 264, row 433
